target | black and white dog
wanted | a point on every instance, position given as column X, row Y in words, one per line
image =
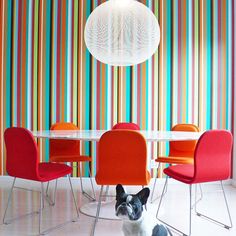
column 129, row 208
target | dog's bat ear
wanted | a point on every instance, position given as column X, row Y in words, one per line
column 119, row 189
column 143, row 195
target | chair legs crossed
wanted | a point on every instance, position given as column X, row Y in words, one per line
column 42, row 196
column 198, row 213
column 52, row 202
column 98, row 211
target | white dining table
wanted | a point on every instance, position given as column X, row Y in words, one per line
column 107, row 211
column 94, row 135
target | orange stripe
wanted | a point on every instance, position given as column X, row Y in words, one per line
column 164, row 77
column 224, row 43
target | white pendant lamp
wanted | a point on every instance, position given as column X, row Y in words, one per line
column 122, row 33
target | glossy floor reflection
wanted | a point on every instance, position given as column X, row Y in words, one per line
column 174, row 210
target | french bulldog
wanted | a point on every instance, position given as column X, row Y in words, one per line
column 129, row 208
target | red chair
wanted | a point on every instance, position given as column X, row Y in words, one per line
column 212, row 162
column 121, row 159
column 181, row 152
column 22, row 161
column 126, row 125
column 69, row 151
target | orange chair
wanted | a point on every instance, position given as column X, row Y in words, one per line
column 181, row 152
column 22, row 161
column 121, row 159
column 126, row 125
column 69, row 151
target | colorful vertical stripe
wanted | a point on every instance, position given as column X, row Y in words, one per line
column 48, row 75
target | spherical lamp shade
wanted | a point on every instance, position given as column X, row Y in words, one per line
column 122, row 33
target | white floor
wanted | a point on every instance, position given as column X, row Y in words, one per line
column 174, row 210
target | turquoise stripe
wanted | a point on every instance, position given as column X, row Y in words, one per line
column 128, row 94
column 8, row 64
column 87, row 91
column 209, row 64
column 47, row 74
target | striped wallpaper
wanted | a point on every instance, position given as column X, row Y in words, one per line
column 47, row 75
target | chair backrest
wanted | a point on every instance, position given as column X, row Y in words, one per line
column 122, row 158
column 62, row 147
column 183, row 148
column 21, row 153
column 212, row 157
column 126, row 125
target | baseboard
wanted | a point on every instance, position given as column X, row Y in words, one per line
column 7, row 180
column 233, row 182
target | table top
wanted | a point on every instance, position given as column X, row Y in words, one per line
column 94, row 135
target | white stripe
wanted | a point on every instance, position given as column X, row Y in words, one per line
column 190, row 63
column 109, row 88
column 29, row 69
column 70, row 46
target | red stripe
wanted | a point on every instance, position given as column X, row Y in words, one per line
column 219, row 65
column 72, row 61
column 112, row 97
column 138, row 95
column 19, row 66
column 58, row 75
column 32, row 72
column 98, row 95
column 193, row 62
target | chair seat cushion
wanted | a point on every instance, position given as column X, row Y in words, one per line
column 182, row 173
column 50, row 171
column 71, row 158
column 175, row 160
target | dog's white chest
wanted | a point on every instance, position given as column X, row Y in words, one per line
column 137, row 228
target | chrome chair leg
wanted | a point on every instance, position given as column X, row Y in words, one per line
column 73, row 195
column 91, row 181
column 41, row 206
column 8, row 201
column 216, row 221
column 82, row 189
column 154, row 186
column 98, row 211
column 162, row 194
column 49, row 200
column 200, row 198
column 190, row 206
